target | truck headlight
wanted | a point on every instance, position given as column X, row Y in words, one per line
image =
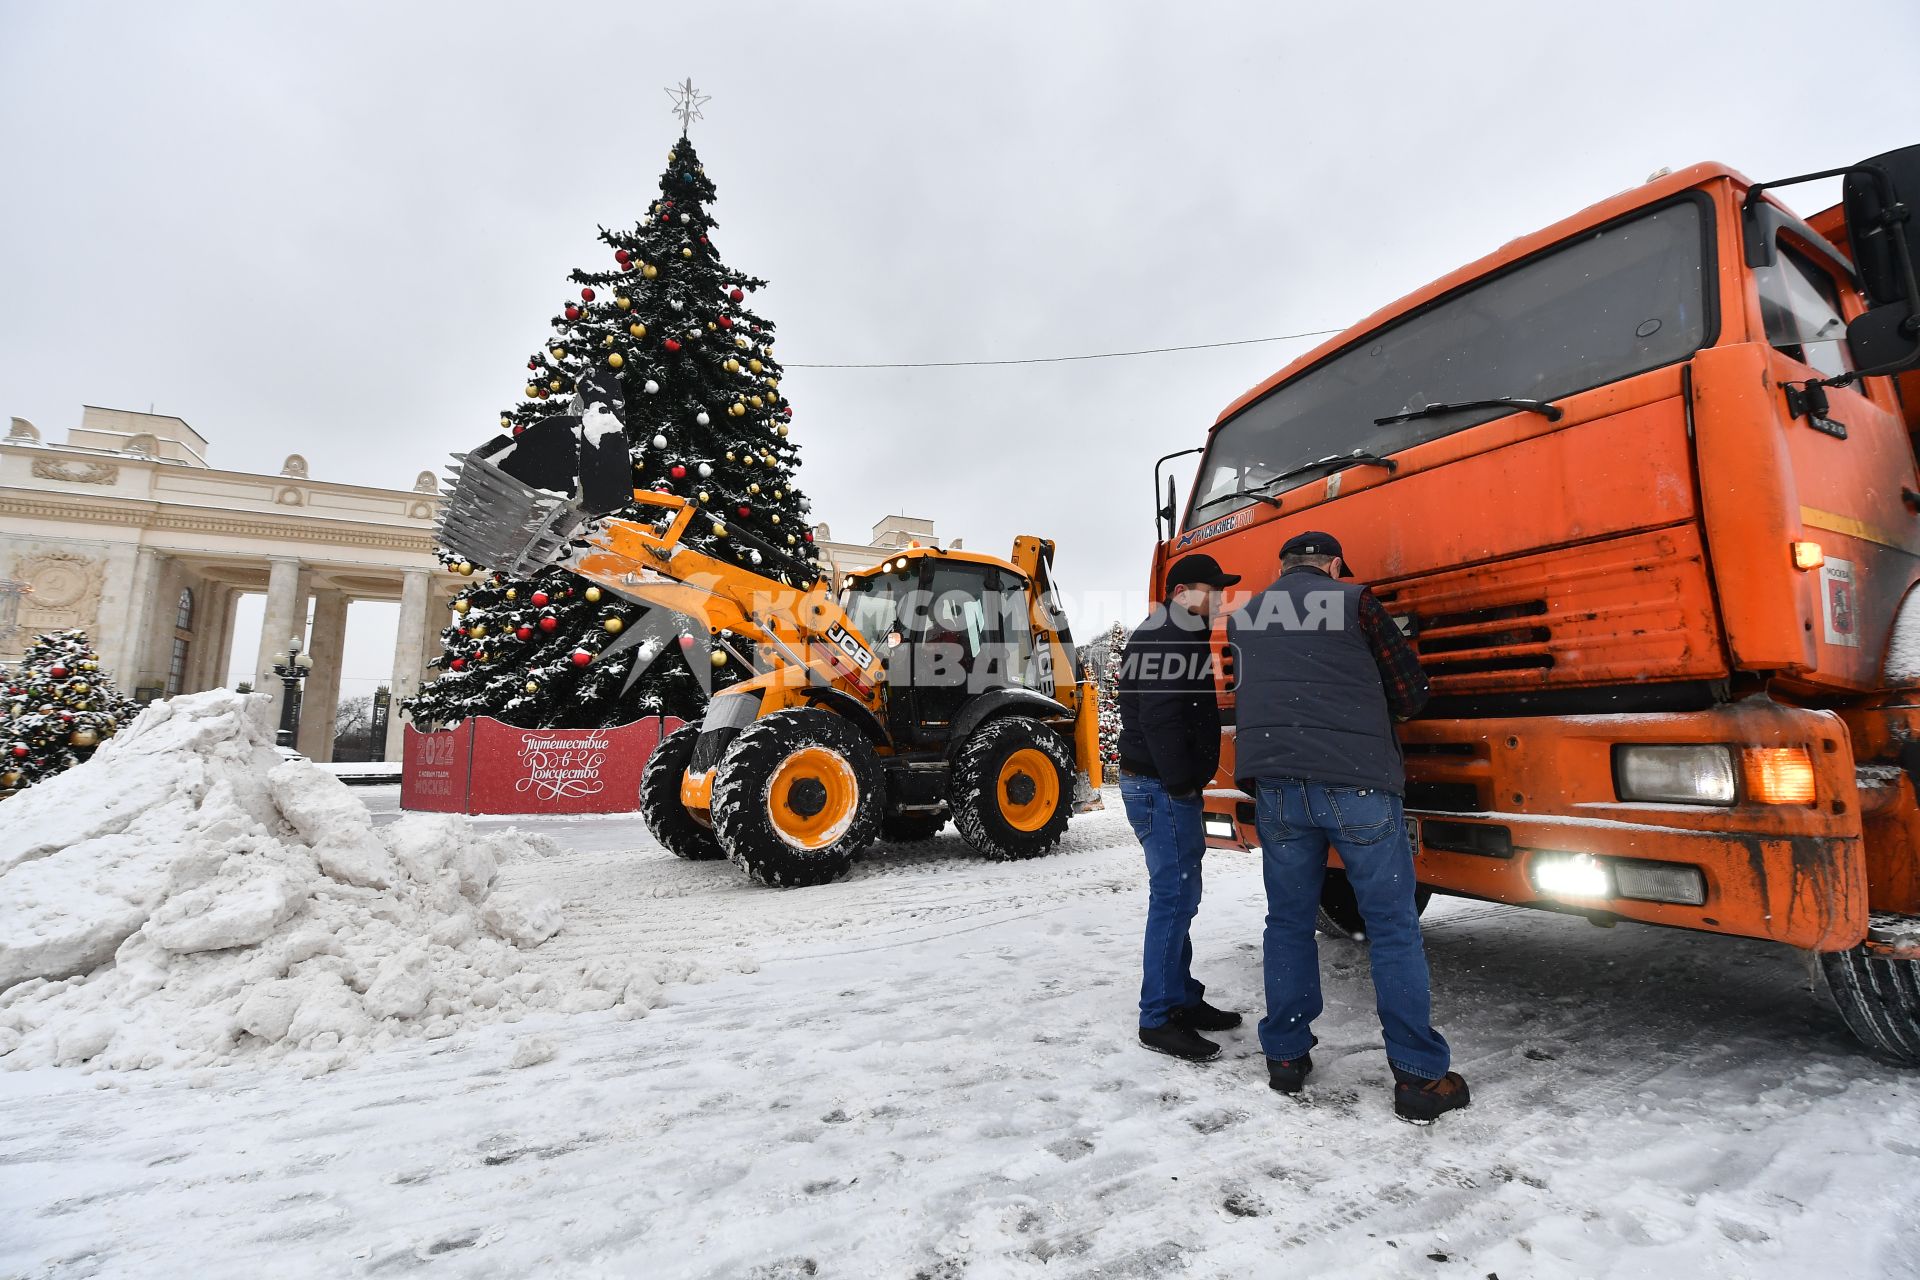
column 1571, row 875
column 1701, row 774
column 1219, row 826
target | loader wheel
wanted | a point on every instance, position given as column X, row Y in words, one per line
column 1340, row 910
column 1011, row 788
column 678, row 831
column 798, row 795
column 910, row 827
column 1879, row 998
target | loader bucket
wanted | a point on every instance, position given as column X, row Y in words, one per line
column 495, row 520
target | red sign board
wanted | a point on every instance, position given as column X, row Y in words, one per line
column 484, row 766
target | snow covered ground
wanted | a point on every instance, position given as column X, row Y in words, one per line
column 928, row 1070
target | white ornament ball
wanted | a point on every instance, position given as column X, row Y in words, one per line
column 653, row 388
column 659, row 442
column 702, row 418
column 686, row 218
column 675, row 303
column 756, row 557
column 705, row 470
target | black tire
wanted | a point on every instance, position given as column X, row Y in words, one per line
column 678, row 831
column 831, row 791
column 911, row 827
column 999, row 805
column 1340, row 910
column 1879, row 999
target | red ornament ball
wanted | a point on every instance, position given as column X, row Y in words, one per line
column 666, row 217
column 809, row 535
column 679, row 472
column 726, row 322
column 672, row 344
column 57, row 671
column 581, row 657
column 586, row 295
column 19, row 751
column 458, row 664
column 548, row 624
column 573, row 313
column 737, row 295
column 686, row 642
column 745, row 512
column 523, row 633
column 517, row 430
column 540, row 599
column 622, row 257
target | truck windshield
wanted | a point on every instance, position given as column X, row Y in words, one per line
column 1611, row 303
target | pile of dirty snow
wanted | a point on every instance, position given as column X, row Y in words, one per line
column 187, row 898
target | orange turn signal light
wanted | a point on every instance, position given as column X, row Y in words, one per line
column 1779, row 775
column 1808, row 555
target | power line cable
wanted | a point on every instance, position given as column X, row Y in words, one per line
column 1096, row 355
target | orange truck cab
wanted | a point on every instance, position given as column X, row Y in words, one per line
column 1641, row 488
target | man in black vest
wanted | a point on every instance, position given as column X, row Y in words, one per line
column 1322, row 675
column 1169, row 749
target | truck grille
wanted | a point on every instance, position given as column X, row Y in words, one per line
column 1604, row 613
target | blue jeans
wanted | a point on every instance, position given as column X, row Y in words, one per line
column 1170, row 832
column 1297, row 820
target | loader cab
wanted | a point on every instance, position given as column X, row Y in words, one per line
column 949, row 627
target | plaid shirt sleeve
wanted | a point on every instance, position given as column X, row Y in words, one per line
column 1400, row 672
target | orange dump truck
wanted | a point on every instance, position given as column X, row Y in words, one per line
column 1641, row 487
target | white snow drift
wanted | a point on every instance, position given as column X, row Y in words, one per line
column 186, row 897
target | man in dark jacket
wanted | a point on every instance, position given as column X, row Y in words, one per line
column 1169, row 749
column 1323, row 673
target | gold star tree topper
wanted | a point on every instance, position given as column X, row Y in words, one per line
column 687, row 102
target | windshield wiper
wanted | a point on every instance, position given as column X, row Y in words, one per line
column 1546, row 409
column 1338, row 461
column 1255, row 494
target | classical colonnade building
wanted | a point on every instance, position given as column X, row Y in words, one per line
column 128, row 532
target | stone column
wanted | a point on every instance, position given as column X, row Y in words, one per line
column 208, row 666
column 409, row 649
column 222, row 636
column 322, row 699
column 286, row 617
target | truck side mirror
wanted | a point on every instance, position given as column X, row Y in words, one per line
column 1879, row 195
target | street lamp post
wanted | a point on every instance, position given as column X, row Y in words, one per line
column 292, row 666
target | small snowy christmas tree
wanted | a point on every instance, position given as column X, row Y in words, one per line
column 1107, row 652
column 59, row 706
column 690, row 375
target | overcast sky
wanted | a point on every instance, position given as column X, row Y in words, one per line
column 338, row 229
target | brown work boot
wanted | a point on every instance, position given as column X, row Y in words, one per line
column 1419, row 1101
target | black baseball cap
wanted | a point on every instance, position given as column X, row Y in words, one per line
column 1198, row 571
column 1315, row 543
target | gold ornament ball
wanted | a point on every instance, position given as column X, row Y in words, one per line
column 80, row 686
column 776, row 519
column 791, row 539
column 11, row 778
column 531, row 390
column 532, row 687
column 718, row 659
column 89, row 666
column 758, row 403
column 637, row 329
column 512, row 594
column 741, row 343
column 478, row 630
column 606, row 341
column 559, row 353
column 712, row 327
column 730, row 457
column 623, row 303
column 755, row 365
column 461, row 606
column 778, row 494
column 593, row 595
column 616, row 360
column 703, row 495
column 686, row 253
column 613, row 625
column 464, row 568
column 554, row 385
column 719, row 530
column 773, row 384
column 783, row 431
column 732, row 365
column 505, row 422
column 672, row 156
column 754, row 487
column 649, row 271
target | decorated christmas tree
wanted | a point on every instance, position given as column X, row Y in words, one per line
column 663, row 340
column 58, row 708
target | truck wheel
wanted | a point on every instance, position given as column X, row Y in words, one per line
column 797, row 796
column 911, row 827
column 1340, row 910
column 1879, row 998
column 1011, row 788
column 678, row 831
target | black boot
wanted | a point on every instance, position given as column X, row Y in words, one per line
column 1420, row 1101
column 1178, row 1041
column 1201, row 1016
column 1288, row 1075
